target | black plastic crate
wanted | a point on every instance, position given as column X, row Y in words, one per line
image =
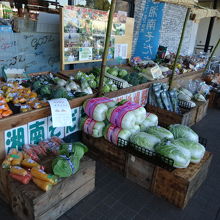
column 116, row 82
column 122, row 143
column 184, row 104
column 151, row 156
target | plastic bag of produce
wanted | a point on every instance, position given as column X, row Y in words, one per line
column 197, row 150
column 96, row 108
column 145, row 140
column 181, row 157
column 92, row 127
column 112, row 133
column 135, row 129
column 161, row 133
column 126, row 115
column 182, row 131
column 150, row 120
column 64, row 166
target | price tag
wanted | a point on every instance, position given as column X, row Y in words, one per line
column 61, row 113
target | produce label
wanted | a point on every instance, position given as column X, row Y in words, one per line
column 112, row 134
column 89, row 125
column 119, row 112
column 92, row 103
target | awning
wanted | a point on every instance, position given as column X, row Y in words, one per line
column 200, row 13
column 186, row 3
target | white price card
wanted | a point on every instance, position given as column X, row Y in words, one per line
column 61, row 113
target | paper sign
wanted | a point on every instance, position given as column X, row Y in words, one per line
column 121, row 50
column 85, row 53
column 61, row 113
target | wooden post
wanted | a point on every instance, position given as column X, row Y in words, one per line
column 179, row 48
column 212, row 54
column 107, row 41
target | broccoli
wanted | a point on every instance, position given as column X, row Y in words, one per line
column 36, row 85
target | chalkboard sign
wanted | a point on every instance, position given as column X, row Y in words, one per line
column 149, row 31
column 33, row 52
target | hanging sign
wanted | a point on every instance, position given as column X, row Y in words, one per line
column 149, row 34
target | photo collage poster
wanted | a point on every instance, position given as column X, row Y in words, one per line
column 85, row 31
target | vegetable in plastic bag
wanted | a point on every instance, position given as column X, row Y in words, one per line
column 181, row 158
column 199, row 97
column 126, row 115
column 182, row 131
column 150, row 120
column 197, row 150
column 135, row 129
column 112, row 133
column 145, row 140
column 96, row 108
column 122, row 73
column 64, row 166
column 92, row 127
column 161, row 133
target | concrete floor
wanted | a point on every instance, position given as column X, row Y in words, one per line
column 117, row 198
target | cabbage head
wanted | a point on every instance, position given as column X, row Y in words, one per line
column 182, row 131
column 197, row 150
column 128, row 121
column 150, row 120
column 161, row 133
column 181, row 157
column 140, row 115
column 145, row 140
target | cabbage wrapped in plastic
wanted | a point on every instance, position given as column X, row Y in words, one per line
column 140, row 114
column 197, row 150
column 161, row 133
column 145, row 140
column 97, row 108
column 92, row 127
column 135, row 129
column 65, row 165
column 126, row 115
column 150, row 120
column 182, row 131
column 180, row 156
column 112, row 133
column 127, row 122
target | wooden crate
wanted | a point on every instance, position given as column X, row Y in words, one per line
column 108, row 153
column 29, row 202
column 202, row 108
column 167, row 118
column 180, row 185
column 140, row 171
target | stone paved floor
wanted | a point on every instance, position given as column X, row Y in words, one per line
column 117, row 198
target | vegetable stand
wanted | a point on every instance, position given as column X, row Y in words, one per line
column 29, row 202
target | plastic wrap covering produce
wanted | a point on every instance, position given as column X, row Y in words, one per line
column 92, row 127
column 159, row 96
column 96, row 108
column 126, row 115
column 150, row 120
column 182, row 131
column 112, row 133
column 67, row 163
column 197, row 150
column 180, row 156
column 145, row 140
column 159, row 132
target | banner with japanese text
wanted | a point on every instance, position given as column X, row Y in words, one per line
column 149, row 32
